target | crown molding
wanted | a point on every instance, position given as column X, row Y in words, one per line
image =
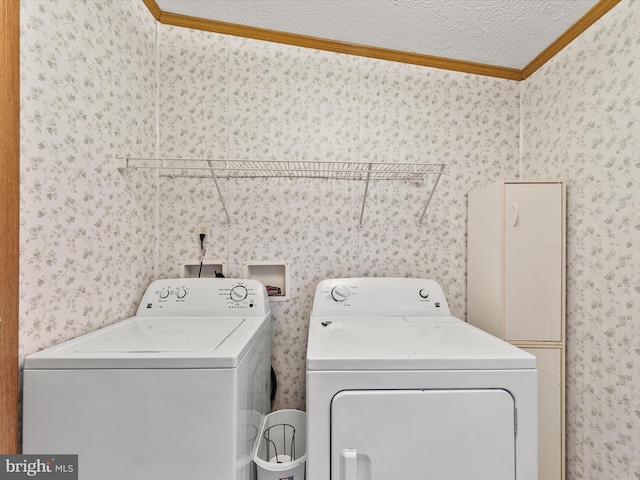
column 255, row 33
column 592, row 16
column 337, row 47
column 153, row 8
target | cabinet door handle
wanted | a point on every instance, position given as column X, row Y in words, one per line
column 515, row 214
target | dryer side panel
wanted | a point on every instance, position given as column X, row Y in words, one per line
column 466, row 434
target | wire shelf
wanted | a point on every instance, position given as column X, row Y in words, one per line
column 181, row 167
column 216, row 169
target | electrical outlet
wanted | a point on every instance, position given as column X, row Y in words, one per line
column 202, row 228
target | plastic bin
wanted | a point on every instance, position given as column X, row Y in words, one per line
column 281, row 450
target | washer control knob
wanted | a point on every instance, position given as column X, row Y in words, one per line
column 181, row 293
column 339, row 294
column 164, row 293
column 238, row 293
column 424, row 293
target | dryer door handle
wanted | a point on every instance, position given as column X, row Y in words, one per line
column 349, row 464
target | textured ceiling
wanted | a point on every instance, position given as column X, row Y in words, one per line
column 506, row 33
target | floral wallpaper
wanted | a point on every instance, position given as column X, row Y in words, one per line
column 87, row 94
column 233, row 98
column 102, row 78
column 581, row 118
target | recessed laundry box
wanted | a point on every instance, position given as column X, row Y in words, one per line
column 398, row 388
column 177, row 392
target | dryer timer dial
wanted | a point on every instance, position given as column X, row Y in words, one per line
column 339, row 294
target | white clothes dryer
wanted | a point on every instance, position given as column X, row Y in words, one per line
column 178, row 391
column 397, row 388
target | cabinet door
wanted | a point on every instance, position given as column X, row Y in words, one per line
column 533, row 261
column 550, row 418
column 484, row 259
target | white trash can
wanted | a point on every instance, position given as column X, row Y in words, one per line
column 281, row 450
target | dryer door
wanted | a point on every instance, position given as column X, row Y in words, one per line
column 423, row 434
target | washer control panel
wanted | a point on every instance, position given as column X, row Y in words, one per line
column 380, row 296
column 205, row 296
column 170, row 293
column 240, row 295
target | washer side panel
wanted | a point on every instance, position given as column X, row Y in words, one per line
column 144, row 424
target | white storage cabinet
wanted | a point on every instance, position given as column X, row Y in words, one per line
column 516, row 289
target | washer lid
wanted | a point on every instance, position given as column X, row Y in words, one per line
column 156, row 342
column 407, row 343
column 156, row 335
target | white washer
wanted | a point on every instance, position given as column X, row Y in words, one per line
column 176, row 392
column 397, row 388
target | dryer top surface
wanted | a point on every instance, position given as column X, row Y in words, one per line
column 378, row 323
column 408, row 343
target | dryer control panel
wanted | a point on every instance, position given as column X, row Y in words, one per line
column 204, row 296
column 380, row 296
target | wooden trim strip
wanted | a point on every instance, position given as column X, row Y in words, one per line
column 588, row 19
column 153, row 8
column 337, row 47
column 9, row 221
